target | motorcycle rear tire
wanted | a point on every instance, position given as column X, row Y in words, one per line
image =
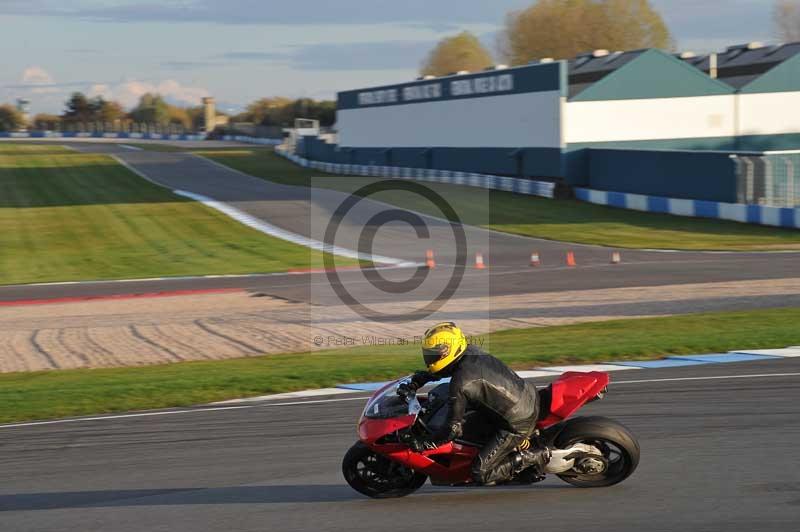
column 378, row 488
column 605, row 432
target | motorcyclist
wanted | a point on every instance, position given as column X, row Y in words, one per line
column 484, row 383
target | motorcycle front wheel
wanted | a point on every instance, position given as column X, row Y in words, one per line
column 619, row 449
column 376, row 476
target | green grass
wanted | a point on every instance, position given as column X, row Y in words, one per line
column 53, row 394
column 68, row 216
column 564, row 220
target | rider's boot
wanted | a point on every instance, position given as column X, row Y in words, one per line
column 515, row 463
column 537, row 458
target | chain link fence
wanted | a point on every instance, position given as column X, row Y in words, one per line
column 771, row 179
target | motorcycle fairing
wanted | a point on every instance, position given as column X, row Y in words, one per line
column 570, row 392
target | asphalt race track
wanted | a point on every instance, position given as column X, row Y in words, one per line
column 719, row 446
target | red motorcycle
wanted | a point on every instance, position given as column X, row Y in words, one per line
column 586, row 451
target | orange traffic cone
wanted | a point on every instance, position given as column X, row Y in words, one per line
column 535, row 259
column 429, row 262
column 479, row 265
column 571, row 259
column 615, row 257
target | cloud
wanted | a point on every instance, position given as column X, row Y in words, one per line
column 38, row 80
column 258, row 56
column 128, row 92
column 423, row 12
column 734, row 20
column 389, row 55
column 35, row 75
column 100, row 89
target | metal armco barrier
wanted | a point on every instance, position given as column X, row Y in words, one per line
column 509, row 184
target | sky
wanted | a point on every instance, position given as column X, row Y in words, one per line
column 242, row 50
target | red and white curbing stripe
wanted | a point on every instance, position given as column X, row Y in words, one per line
column 117, row 297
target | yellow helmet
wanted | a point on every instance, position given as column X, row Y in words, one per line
column 443, row 344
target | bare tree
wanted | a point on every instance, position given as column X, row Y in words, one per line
column 460, row 52
column 564, row 28
column 787, row 20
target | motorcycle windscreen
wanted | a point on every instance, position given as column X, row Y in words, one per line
column 386, row 406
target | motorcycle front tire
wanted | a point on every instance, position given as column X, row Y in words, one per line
column 366, row 472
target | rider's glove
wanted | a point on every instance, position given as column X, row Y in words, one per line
column 448, row 433
column 421, row 378
column 422, row 444
column 406, row 388
column 418, row 380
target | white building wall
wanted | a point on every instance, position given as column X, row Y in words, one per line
column 769, row 113
column 512, row 120
column 650, row 119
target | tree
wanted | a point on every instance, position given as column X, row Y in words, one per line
column 152, row 109
column 179, row 116
column 46, row 122
column 106, row 111
column 267, row 111
column 282, row 111
column 460, row 52
column 78, row 109
column 10, row 118
column 787, row 20
column 196, row 117
column 562, row 29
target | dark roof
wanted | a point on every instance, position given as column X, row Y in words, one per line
column 739, row 65
column 589, row 68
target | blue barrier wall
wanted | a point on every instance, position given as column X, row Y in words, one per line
column 98, row 135
column 530, row 162
column 707, row 176
column 681, row 174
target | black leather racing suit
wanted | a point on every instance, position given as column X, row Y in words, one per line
column 484, row 383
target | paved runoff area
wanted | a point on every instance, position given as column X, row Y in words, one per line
column 155, row 329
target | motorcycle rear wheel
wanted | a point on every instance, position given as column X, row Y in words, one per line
column 619, row 448
column 376, row 476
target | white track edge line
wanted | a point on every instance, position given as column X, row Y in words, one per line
column 274, row 231
column 342, row 399
column 269, row 229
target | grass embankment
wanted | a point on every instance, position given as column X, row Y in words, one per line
column 68, row 216
column 26, row 396
column 565, row 220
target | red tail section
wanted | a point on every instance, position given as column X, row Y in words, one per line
column 570, row 392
